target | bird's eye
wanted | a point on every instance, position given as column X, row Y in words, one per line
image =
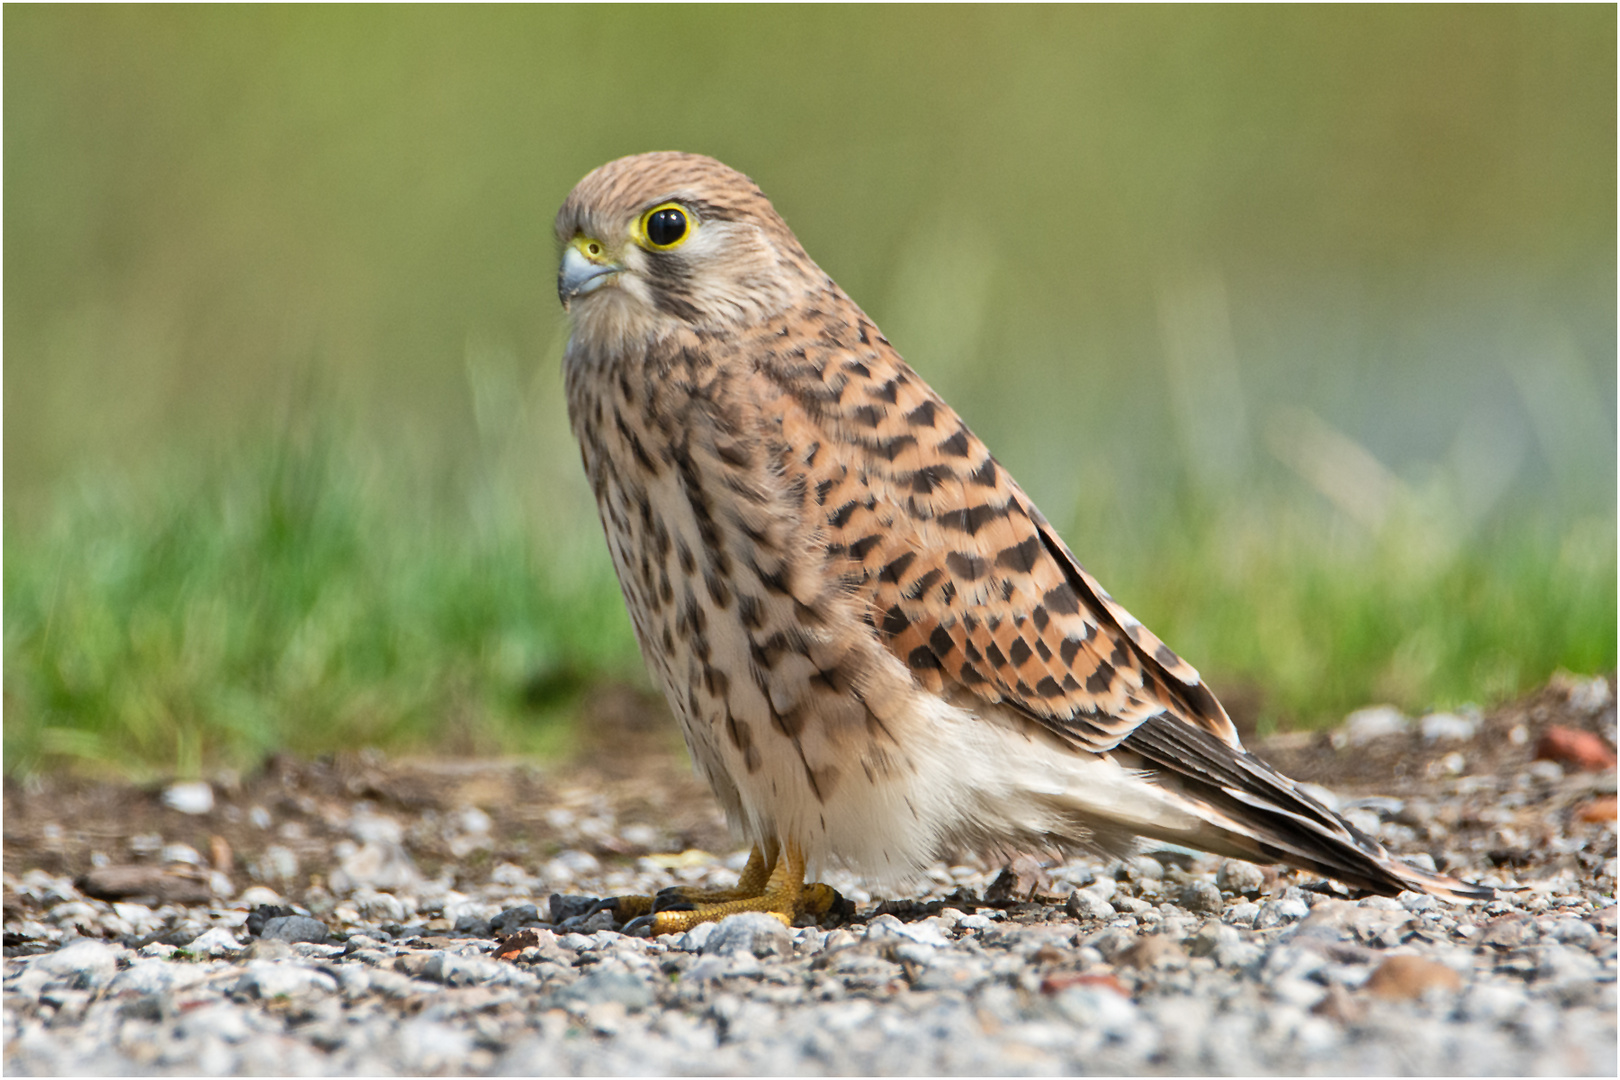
column 665, row 226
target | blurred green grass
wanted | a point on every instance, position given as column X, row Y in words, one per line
column 293, row 597
column 297, row 596
column 1299, row 321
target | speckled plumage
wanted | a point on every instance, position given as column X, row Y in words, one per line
column 876, row 646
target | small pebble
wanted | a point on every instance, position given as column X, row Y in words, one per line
column 752, row 932
column 192, row 797
column 1378, row 722
column 1086, row 904
column 1240, row 878
column 1147, row 967
column 294, row 928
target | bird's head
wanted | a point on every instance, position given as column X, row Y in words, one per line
column 658, row 242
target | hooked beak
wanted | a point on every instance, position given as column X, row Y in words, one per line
column 581, row 272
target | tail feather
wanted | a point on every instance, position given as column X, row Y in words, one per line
column 1266, row 815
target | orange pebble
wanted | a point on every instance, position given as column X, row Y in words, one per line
column 1580, row 750
column 1596, row 810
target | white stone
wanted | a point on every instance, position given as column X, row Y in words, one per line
column 93, row 961
column 1374, row 722
column 380, row 864
column 255, row 895
column 215, row 942
column 1447, row 727
column 191, row 797
column 181, row 853
column 1086, row 904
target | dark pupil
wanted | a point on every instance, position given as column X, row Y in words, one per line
column 666, row 227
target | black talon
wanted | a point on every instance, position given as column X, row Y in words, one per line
column 672, row 899
column 610, row 904
column 639, row 922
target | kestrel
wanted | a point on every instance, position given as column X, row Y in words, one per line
column 876, row 646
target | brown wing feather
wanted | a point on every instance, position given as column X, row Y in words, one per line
column 964, row 580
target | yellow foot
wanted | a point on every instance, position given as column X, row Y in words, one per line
column 768, row 884
column 752, row 882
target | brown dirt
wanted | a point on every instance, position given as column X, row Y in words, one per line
column 629, row 759
column 1407, row 765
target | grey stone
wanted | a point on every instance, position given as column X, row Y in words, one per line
column 1548, row 772
column 1111, row 941
column 1447, row 727
column 453, row 970
column 269, row 979
column 473, row 926
column 379, row 864
column 1417, row 902
column 945, row 971
column 1243, row 914
column 149, row 976
column 432, row 1047
column 515, row 918
column 1201, row 896
column 694, row 939
column 1238, row 953
column 1097, row 1009
column 294, row 928
column 1209, row 937
column 1130, row 905
column 1380, row 903
column 568, row 907
column 1561, row 964
column 1087, row 904
column 752, row 932
column 153, row 1007
column 1491, row 1001
column 270, row 949
column 1241, row 878
column 85, row 964
column 1103, row 887
column 1376, row 722
column 716, row 966
column 888, row 928
column 1570, row 931
column 215, row 942
column 625, row 988
column 1145, row 868
column 1302, row 994
column 1511, row 932
column 601, row 920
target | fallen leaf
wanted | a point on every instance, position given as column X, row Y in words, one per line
column 1596, row 810
column 219, row 854
column 1062, row 980
column 509, row 948
column 1154, row 951
column 1408, row 978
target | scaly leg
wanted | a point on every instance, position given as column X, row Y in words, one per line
column 752, row 881
column 783, row 894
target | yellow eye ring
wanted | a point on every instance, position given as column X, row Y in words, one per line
column 665, row 226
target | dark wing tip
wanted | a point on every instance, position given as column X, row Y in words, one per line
column 1280, row 821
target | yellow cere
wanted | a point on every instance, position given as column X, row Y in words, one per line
column 590, row 247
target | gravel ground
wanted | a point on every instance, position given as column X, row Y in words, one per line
column 366, row 916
